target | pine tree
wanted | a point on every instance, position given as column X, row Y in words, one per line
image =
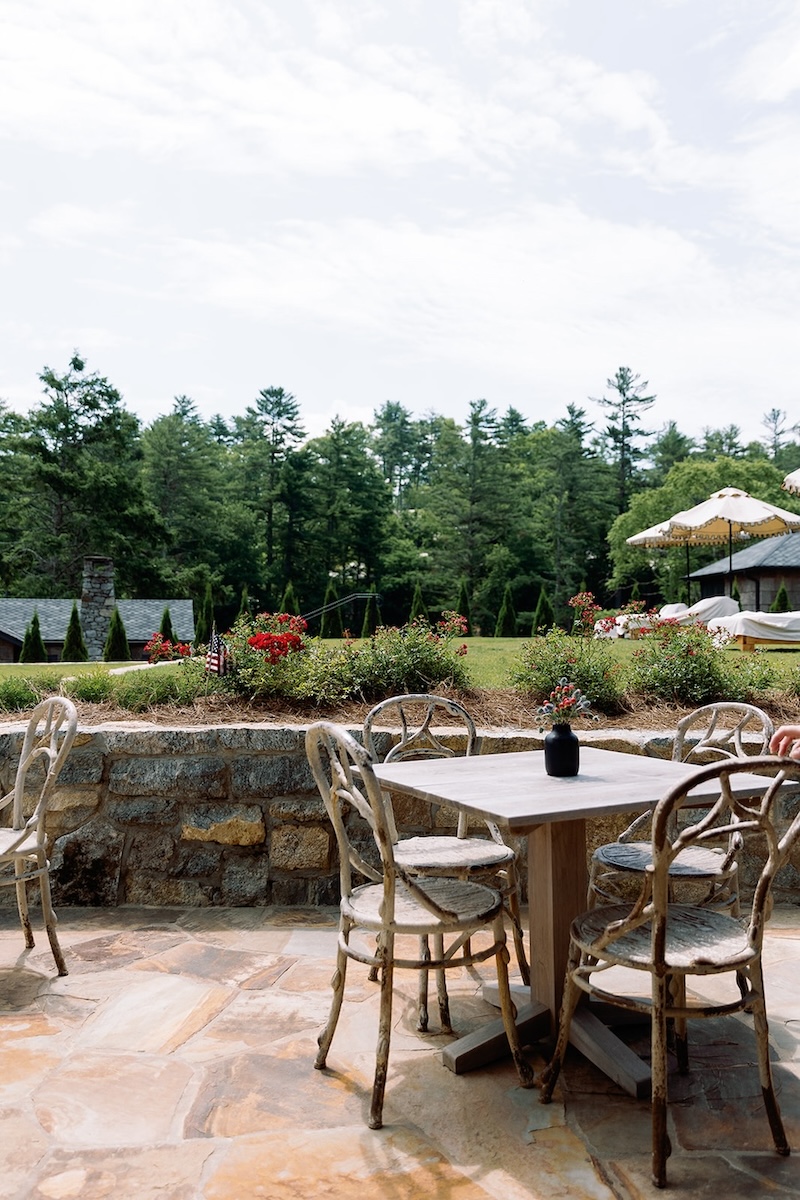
column 289, row 602
column 544, row 617
column 165, row 628
column 418, row 608
column 331, row 623
column 205, row 618
column 33, row 647
column 463, row 606
column 781, row 602
column 506, row 625
column 371, row 615
column 116, row 648
column 74, row 648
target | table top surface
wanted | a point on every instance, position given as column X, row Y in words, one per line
column 515, row 791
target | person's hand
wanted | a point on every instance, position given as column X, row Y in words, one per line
column 786, row 741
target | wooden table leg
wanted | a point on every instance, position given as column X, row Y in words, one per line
column 556, row 893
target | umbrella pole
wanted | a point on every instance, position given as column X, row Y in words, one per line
column 688, row 581
column 730, row 558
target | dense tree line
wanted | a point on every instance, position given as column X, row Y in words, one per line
column 465, row 514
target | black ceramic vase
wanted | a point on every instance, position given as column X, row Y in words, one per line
column 562, row 751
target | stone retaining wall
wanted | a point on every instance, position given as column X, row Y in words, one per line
column 228, row 815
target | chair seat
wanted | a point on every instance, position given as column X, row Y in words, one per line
column 441, row 853
column 469, row 906
column 8, row 838
column 699, row 940
column 695, row 862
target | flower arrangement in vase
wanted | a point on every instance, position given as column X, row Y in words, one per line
column 561, row 745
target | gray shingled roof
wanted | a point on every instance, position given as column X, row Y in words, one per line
column 772, row 553
column 141, row 618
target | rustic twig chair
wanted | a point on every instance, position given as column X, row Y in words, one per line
column 461, row 856
column 672, row 942
column 710, row 734
column 23, row 853
column 395, row 903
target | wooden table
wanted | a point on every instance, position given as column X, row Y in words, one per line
column 514, row 791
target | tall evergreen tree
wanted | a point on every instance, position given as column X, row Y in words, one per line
column 74, row 648
column 543, row 617
column 116, row 648
column 506, row 625
column 331, row 622
column 625, row 409
column 33, row 647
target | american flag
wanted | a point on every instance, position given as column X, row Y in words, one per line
column 217, row 656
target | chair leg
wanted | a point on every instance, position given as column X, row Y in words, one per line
column 677, row 996
column 373, row 971
column 337, row 983
column 422, row 986
column 22, row 903
column 764, row 1069
column 509, row 1012
column 50, row 921
column 441, row 986
column 658, row 1068
column 384, row 1036
column 516, row 922
column 550, row 1074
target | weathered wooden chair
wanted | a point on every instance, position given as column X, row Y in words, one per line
column 23, row 853
column 394, row 903
column 709, row 734
column 674, row 942
column 462, row 856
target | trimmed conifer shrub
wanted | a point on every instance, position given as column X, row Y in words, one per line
column 506, row 624
column 116, row 648
column 289, row 603
column 463, row 607
column 74, row 648
column 331, row 621
column 418, row 608
column 372, row 616
column 33, row 647
column 204, row 620
column 781, row 602
column 165, row 628
column 544, row 617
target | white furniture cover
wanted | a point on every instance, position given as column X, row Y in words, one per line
column 774, row 627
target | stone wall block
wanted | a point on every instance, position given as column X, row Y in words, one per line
column 262, row 739
column 297, row 808
column 230, row 824
column 82, row 766
column 245, row 879
column 300, row 848
column 269, row 775
column 149, row 851
column 142, row 740
column 144, row 810
column 169, row 776
column 86, row 865
column 157, row 892
column 195, row 860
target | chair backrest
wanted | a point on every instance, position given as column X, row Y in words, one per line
column 414, row 713
column 47, row 742
column 717, row 731
column 755, row 818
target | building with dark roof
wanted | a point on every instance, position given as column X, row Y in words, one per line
column 141, row 618
column 759, row 571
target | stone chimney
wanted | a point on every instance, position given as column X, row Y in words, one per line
column 97, row 603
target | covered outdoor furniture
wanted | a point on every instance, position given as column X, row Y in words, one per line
column 633, row 624
column 23, row 852
column 462, row 856
column 672, row 943
column 395, row 904
column 724, row 730
column 758, row 628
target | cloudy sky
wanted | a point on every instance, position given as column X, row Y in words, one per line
column 424, row 201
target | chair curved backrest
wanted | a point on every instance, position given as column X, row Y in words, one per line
column 752, row 817
column 414, row 714
column 47, row 742
column 343, row 773
column 717, row 731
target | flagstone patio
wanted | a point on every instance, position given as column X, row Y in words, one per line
column 175, row 1062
